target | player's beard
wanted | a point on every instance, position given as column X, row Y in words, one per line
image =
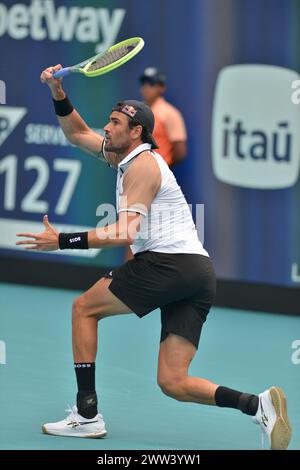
column 118, row 149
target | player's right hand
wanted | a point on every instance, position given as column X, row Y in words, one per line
column 45, row 241
column 53, row 83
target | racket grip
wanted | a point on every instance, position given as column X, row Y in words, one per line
column 62, row 72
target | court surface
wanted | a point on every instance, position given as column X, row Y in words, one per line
column 242, row 350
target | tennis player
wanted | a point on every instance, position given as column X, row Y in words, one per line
column 170, row 270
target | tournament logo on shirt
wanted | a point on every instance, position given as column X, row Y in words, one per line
column 256, row 127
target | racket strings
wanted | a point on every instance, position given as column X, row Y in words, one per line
column 110, row 57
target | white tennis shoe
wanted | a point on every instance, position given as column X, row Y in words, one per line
column 273, row 418
column 75, row 425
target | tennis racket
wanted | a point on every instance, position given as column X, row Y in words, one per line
column 106, row 61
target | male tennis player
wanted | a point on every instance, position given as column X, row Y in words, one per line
column 170, row 270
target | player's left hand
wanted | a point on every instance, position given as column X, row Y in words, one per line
column 45, row 241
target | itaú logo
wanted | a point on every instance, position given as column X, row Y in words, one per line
column 256, row 127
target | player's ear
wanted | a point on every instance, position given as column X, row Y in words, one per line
column 136, row 132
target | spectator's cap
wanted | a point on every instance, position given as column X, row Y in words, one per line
column 152, row 75
column 140, row 113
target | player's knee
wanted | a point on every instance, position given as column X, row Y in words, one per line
column 79, row 309
column 171, row 386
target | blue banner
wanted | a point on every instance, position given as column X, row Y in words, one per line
column 242, row 123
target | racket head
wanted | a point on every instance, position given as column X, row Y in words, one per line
column 112, row 58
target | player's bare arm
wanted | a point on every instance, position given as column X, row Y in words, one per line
column 74, row 127
column 141, row 184
column 120, row 233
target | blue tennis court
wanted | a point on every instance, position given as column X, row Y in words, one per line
column 240, row 349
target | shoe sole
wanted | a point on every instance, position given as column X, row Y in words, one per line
column 282, row 431
column 87, row 436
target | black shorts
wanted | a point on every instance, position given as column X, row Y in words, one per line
column 181, row 285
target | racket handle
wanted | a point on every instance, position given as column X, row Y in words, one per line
column 62, row 72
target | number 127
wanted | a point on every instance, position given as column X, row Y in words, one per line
column 31, row 201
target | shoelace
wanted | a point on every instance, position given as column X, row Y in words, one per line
column 72, row 417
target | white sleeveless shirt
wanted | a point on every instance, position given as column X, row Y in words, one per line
column 168, row 226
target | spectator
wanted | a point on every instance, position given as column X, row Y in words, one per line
column 169, row 131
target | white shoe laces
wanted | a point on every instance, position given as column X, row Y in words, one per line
column 73, row 416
